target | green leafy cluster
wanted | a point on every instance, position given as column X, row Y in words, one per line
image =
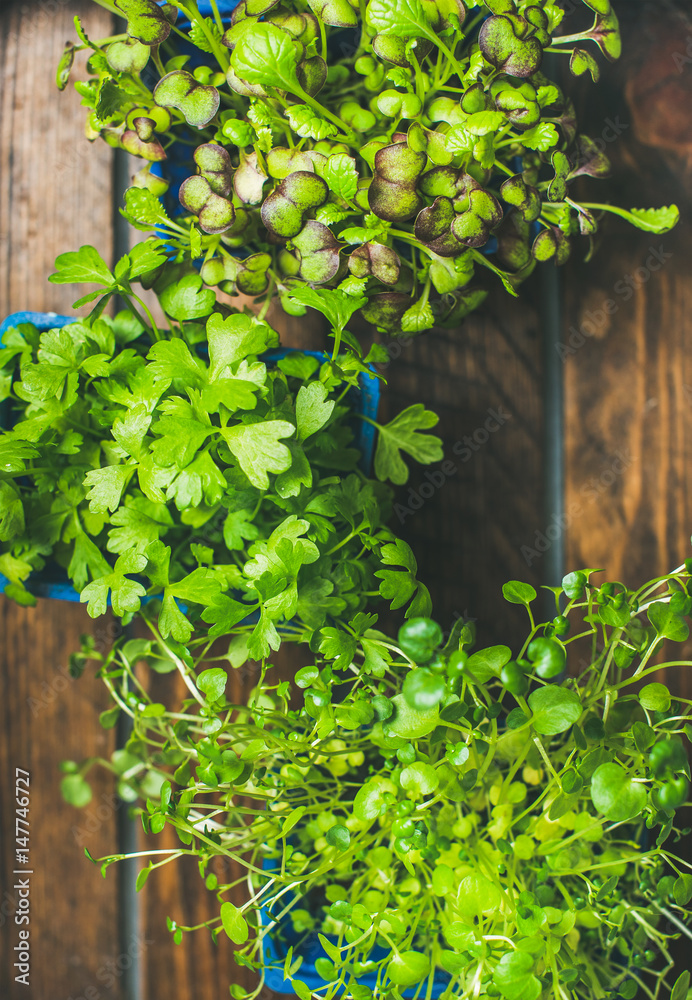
column 178, row 465
column 390, row 149
column 429, row 809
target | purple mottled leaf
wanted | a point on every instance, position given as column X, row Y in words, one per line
column 386, row 310
column 215, row 214
column 215, row 166
column 133, row 144
column 589, row 159
column 284, row 210
column 318, row 251
column 377, row 261
column 312, row 75
column 551, row 244
column 501, row 43
column 392, row 194
column 145, row 21
column 515, row 191
column 180, row 90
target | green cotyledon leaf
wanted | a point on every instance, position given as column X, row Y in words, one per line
column 404, row 433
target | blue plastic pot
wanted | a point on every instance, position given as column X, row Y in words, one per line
column 55, row 583
column 276, row 943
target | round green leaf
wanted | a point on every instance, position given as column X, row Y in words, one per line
column 443, row 880
column 514, row 976
column 655, row 697
column 554, row 709
column 419, row 778
column 615, row 794
column 212, row 683
column 410, row 722
column 518, row 593
column 306, row 676
column 573, row 585
column 370, row 799
column 234, row 923
column 487, row 663
column 547, row 656
column 477, row 895
column 338, row 836
column 423, row 689
column 408, row 968
column 75, row 790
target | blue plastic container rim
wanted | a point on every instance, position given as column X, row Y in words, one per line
column 310, row 950
column 368, row 399
column 225, row 8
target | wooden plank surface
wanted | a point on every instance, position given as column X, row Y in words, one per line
column 628, row 325
column 55, row 194
column 468, row 517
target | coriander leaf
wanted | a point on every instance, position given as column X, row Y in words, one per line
column 313, row 409
column 146, row 256
column 224, row 614
column 125, row 593
column 258, row 449
column 404, row 434
column 11, row 513
column 86, row 561
column 137, row 524
column 336, row 306
column 82, row 266
column 237, row 337
column 264, row 638
column 187, row 299
column 106, row 486
column 172, row 621
column 239, row 528
column 172, row 359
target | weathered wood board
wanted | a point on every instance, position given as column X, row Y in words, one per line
column 55, row 194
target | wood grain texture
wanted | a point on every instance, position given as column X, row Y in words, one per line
column 55, row 194
column 467, row 521
column 628, row 339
